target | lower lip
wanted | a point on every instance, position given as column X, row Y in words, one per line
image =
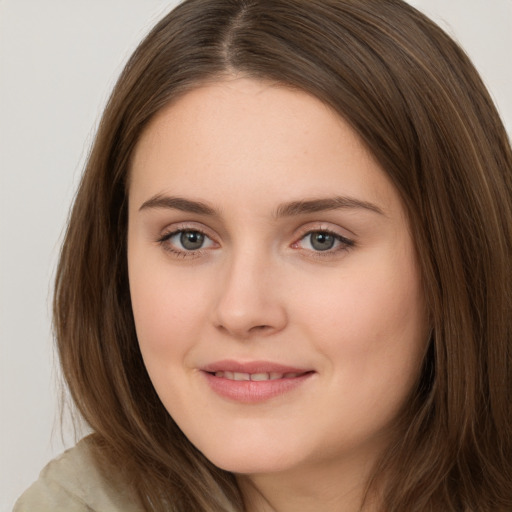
column 251, row 391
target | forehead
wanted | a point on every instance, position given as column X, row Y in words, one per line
column 253, row 136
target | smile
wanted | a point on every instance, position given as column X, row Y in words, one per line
column 256, row 376
column 253, row 382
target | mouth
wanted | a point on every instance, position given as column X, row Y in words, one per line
column 255, row 381
column 258, row 377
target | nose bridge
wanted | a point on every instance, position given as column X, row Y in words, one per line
column 248, row 301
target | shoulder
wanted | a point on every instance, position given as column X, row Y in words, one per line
column 74, row 482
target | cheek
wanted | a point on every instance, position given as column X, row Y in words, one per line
column 169, row 313
column 370, row 323
column 384, row 310
column 167, row 308
column 377, row 297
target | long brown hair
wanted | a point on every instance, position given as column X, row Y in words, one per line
column 421, row 108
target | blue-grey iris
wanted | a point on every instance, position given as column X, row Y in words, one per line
column 321, row 241
column 192, row 240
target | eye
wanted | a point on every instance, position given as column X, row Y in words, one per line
column 190, row 240
column 186, row 241
column 323, row 241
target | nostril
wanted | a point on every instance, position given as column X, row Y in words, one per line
column 260, row 328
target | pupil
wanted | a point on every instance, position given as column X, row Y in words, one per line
column 322, row 241
column 191, row 240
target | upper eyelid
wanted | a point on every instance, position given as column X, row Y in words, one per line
column 312, row 227
column 328, row 231
column 185, row 226
column 173, row 232
column 342, row 239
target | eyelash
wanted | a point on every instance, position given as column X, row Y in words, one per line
column 182, row 253
column 344, row 244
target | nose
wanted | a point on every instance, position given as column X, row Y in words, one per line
column 250, row 301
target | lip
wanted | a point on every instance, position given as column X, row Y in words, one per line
column 229, row 365
column 249, row 391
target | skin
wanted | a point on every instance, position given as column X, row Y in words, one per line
column 259, row 289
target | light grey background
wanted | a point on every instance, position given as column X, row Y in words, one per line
column 58, row 61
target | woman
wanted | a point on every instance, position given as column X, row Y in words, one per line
column 285, row 283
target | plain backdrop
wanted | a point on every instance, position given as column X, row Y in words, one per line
column 58, row 62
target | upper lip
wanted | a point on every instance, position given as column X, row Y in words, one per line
column 229, row 365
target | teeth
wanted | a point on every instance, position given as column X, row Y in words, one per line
column 255, row 376
column 260, row 376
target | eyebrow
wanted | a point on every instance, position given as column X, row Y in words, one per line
column 178, row 203
column 290, row 209
column 324, row 204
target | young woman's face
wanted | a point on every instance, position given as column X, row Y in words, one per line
column 274, row 283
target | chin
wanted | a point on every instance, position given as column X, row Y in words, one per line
column 250, row 460
column 244, row 466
